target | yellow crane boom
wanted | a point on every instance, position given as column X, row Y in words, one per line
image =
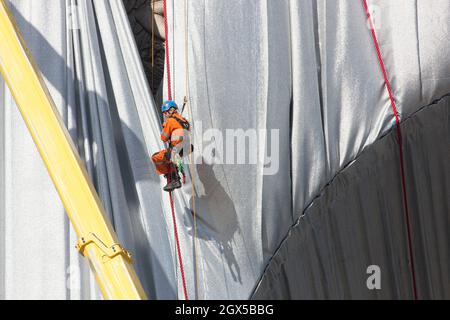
column 98, row 242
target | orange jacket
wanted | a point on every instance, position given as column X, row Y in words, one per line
column 173, row 130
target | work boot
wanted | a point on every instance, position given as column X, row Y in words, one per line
column 173, row 182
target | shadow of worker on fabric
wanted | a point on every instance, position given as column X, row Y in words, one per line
column 217, row 220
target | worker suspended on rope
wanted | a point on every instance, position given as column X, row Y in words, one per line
column 168, row 161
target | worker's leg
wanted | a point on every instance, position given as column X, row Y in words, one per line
column 165, row 167
column 162, row 162
column 173, row 181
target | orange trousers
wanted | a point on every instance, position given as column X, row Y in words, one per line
column 162, row 162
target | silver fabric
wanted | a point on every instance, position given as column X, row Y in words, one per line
column 360, row 216
column 104, row 102
column 307, row 68
column 317, row 57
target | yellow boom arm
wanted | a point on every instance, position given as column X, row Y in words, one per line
column 98, row 242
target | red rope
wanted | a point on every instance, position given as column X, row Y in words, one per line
column 183, row 279
column 166, row 30
column 169, row 92
column 400, row 144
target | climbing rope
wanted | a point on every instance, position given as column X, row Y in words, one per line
column 153, row 41
column 169, row 92
column 191, row 139
column 400, row 145
column 177, row 239
column 166, row 30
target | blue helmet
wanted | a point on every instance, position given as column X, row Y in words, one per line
column 169, row 105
